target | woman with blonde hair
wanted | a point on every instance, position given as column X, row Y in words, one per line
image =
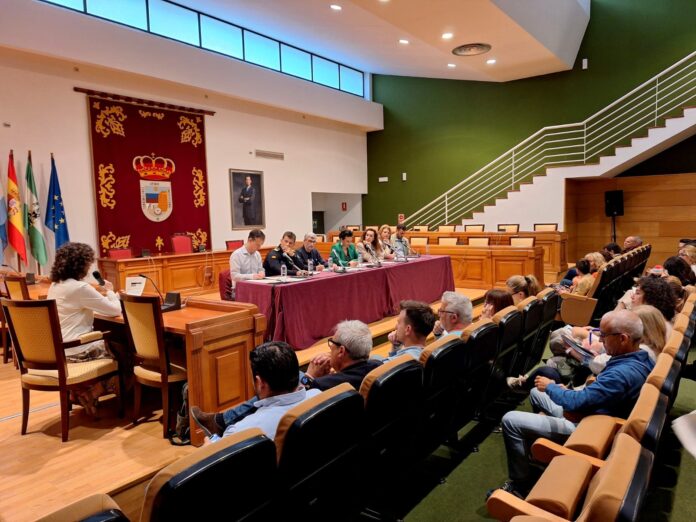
column 385, row 238
column 597, row 261
column 654, row 328
column 521, row 287
column 688, row 254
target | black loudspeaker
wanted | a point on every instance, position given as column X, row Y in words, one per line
column 613, row 203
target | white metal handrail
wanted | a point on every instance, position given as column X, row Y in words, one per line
column 572, row 143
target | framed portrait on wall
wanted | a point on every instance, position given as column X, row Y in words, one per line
column 246, row 193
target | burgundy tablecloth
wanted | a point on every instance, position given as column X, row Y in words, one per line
column 303, row 312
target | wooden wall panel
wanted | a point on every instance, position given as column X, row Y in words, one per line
column 661, row 209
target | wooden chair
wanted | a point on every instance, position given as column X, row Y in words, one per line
column 479, row 241
column 447, row 241
column 4, row 333
column 143, row 318
column 241, row 463
column 419, row 241
column 545, row 227
column 40, row 351
column 445, row 228
column 321, row 238
column 525, row 242
column 353, row 228
column 182, row 243
column 474, row 228
column 421, row 228
column 119, row 253
column 233, row 244
column 514, row 228
column 16, row 286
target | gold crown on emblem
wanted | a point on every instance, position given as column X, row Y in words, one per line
column 154, row 168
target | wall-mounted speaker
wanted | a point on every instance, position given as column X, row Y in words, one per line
column 613, row 203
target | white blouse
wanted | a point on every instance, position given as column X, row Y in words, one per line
column 77, row 301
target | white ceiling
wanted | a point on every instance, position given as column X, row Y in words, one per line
column 529, row 37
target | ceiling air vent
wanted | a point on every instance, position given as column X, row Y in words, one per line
column 268, row 154
column 471, row 49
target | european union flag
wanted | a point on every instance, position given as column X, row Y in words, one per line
column 55, row 213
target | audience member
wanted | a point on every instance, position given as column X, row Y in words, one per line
column 655, row 331
column 680, row 268
column 584, row 281
column 651, row 290
column 344, row 253
column 597, row 261
column 631, row 242
column 613, row 393
column 521, row 287
column 308, row 252
column 688, row 254
column 401, row 244
column 494, row 301
column 416, row 321
column 77, row 301
column 350, row 349
column 681, row 293
column 275, row 371
column 245, row 262
column 385, row 238
column 283, row 255
column 455, row 314
column 370, row 247
column 613, row 248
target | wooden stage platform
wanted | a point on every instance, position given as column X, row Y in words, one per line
column 40, row 473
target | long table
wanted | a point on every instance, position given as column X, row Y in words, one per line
column 303, row 312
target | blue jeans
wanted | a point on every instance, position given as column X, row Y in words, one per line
column 521, row 429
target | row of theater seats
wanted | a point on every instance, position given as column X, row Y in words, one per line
column 607, row 461
column 611, row 283
column 403, row 411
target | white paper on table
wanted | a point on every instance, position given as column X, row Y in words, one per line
column 685, row 429
column 135, row 285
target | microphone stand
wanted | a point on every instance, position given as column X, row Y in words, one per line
column 171, row 302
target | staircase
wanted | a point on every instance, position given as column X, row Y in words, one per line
column 526, row 184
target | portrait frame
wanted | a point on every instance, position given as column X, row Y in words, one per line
column 247, row 214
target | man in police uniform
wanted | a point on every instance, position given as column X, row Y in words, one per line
column 281, row 255
column 309, row 252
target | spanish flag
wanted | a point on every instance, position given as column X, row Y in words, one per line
column 15, row 217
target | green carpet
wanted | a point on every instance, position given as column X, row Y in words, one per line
column 671, row 496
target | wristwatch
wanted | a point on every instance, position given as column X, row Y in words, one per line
column 306, row 381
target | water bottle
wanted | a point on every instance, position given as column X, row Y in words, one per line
column 283, row 273
column 360, row 259
column 329, row 264
column 310, row 266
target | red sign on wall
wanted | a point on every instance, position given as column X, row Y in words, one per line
column 400, row 218
column 344, row 206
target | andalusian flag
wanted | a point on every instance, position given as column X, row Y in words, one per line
column 15, row 219
column 33, row 218
column 55, row 213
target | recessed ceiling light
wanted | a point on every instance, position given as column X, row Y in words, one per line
column 447, row 36
column 384, row 1
column 403, row 41
column 451, row 65
column 335, row 7
column 491, row 61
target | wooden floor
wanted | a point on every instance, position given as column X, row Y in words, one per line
column 40, row 473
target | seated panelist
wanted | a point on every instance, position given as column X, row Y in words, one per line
column 77, row 301
column 344, row 252
column 309, row 252
column 281, row 255
column 371, row 247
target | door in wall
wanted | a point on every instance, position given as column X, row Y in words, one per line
column 318, row 222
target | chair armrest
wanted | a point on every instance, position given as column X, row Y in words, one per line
column 89, row 337
column 545, row 450
column 577, row 309
column 503, row 506
column 97, row 504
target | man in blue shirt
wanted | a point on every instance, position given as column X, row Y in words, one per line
column 414, row 324
column 613, row 393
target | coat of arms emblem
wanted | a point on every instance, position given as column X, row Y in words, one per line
column 155, row 187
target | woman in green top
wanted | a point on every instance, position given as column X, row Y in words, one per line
column 344, row 252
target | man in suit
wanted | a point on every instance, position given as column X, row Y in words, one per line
column 248, row 200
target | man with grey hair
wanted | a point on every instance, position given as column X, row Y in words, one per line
column 456, row 313
column 349, row 356
column 613, row 393
column 631, row 242
column 308, row 252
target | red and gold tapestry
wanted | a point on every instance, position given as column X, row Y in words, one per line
column 149, row 175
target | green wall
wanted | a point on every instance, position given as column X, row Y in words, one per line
column 440, row 131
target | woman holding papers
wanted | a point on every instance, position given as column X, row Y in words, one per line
column 77, row 301
column 344, row 253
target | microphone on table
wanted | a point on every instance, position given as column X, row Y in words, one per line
column 285, row 254
column 29, row 276
column 169, row 303
column 97, row 275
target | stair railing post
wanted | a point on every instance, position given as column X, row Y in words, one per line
column 446, row 208
column 512, row 177
column 584, row 142
column 657, row 97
